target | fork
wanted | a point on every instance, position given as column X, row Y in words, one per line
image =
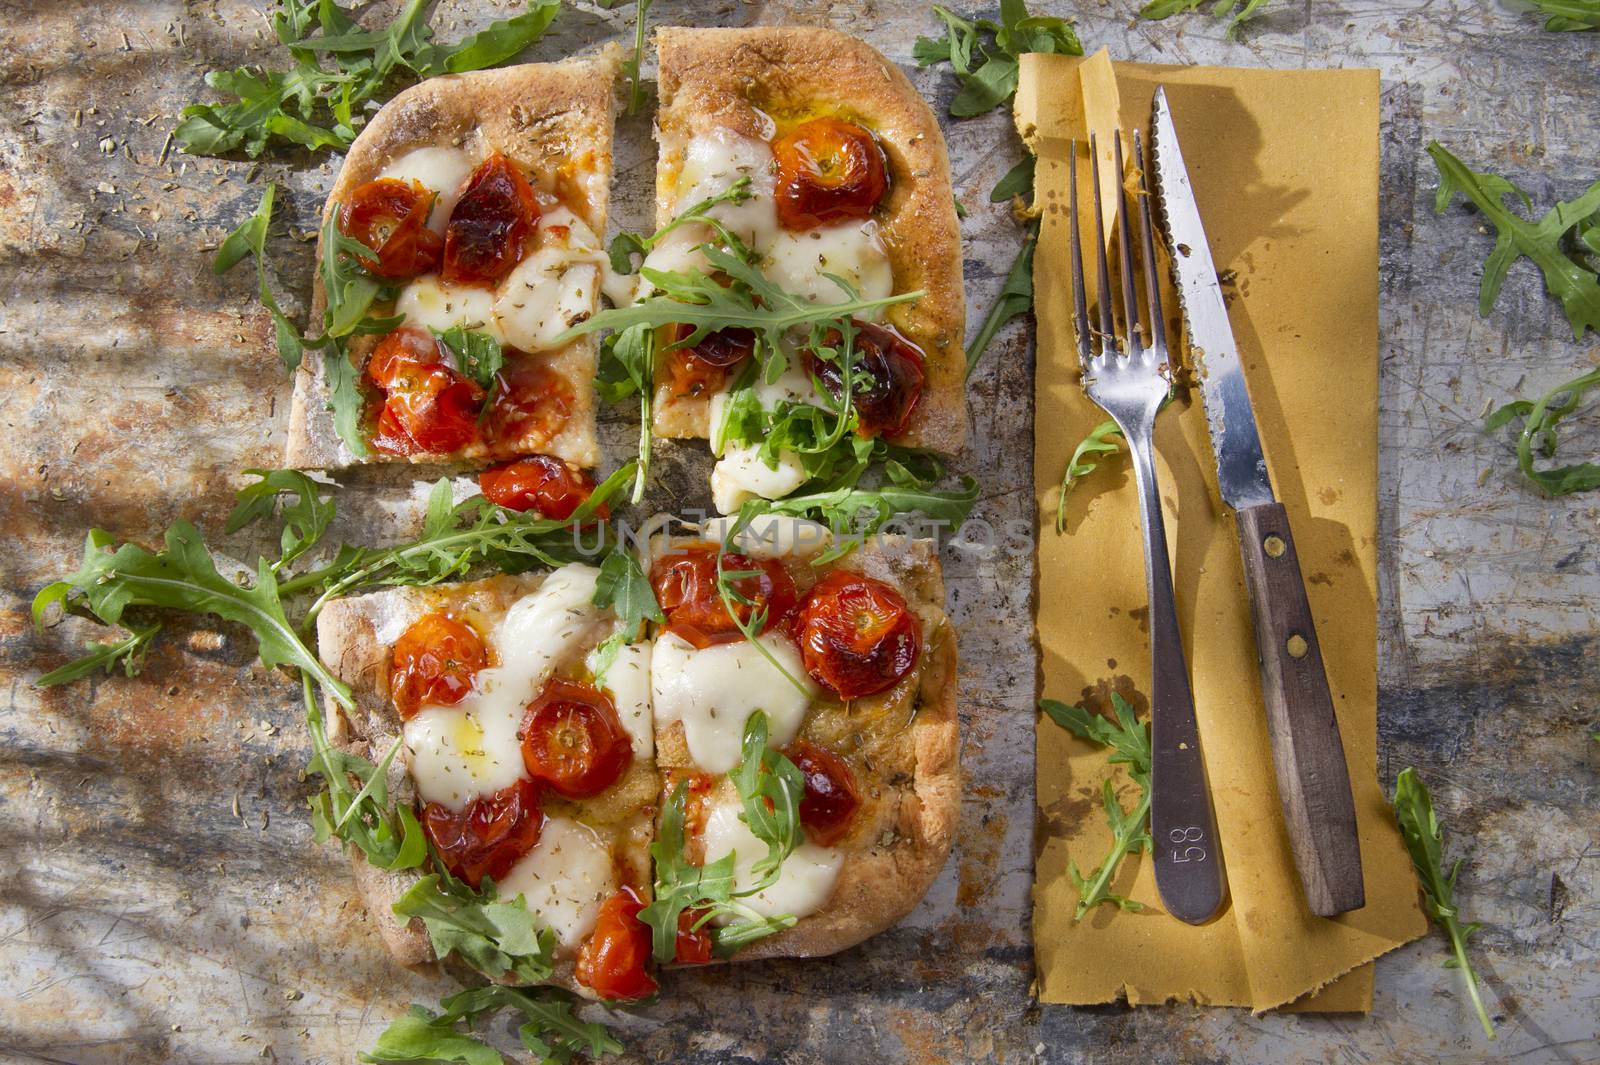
column 1131, row 380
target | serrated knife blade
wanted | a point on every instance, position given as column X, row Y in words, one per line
column 1307, row 751
column 1241, row 468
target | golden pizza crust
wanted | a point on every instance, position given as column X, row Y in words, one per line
column 741, row 79
column 556, row 120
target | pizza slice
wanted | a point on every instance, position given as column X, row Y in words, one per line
column 828, row 168
column 465, row 232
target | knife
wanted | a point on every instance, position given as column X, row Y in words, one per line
column 1313, row 781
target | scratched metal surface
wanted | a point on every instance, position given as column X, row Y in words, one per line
column 160, row 896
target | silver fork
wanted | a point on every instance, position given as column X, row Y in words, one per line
column 1131, row 380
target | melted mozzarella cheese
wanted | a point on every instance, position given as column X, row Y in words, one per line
column 544, row 296
column 799, row 262
column 740, row 475
column 627, row 680
column 428, row 303
column 563, row 880
column 712, row 163
column 470, row 749
column 805, row 880
column 443, row 170
column 771, row 536
column 714, row 690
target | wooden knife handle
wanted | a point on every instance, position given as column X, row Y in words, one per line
column 1313, row 781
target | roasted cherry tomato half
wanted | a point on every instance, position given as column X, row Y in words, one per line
column 693, row 945
column 613, row 962
column 488, row 835
column 492, row 221
column 857, row 635
column 886, row 376
column 706, row 367
column 573, row 740
column 406, row 348
column 390, row 216
column 428, row 410
column 530, row 407
column 685, row 583
column 542, row 483
column 829, row 170
column 434, row 662
column 831, row 799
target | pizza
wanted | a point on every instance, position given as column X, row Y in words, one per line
column 589, row 777
column 479, row 204
column 847, row 192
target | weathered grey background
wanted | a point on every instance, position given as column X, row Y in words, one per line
column 160, row 897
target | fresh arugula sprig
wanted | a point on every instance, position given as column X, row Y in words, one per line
column 317, row 104
column 128, row 652
column 1545, row 242
column 625, row 245
column 304, row 507
column 988, row 68
column 478, row 355
column 769, row 787
column 1566, row 16
column 631, row 65
column 1238, row 12
column 1086, row 458
column 1413, row 808
column 250, row 238
column 1128, row 740
column 499, row 938
column 627, row 367
column 1537, row 438
column 623, row 588
column 1015, row 298
column 549, row 1029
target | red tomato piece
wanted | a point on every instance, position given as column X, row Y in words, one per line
column 405, row 348
column 886, row 377
column 492, row 221
column 685, row 583
column 573, row 740
column 434, row 663
column 857, row 635
column 831, row 799
column 530, row 407
column 428, row 410
column 693, row 945
column 613, row 963
column 706, row 367
column 486, row 837
column 390, row 216
column 829, row 170
column 542, row 483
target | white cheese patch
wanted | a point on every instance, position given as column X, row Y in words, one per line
column 740, row 475
column 443, row 171
column 805, row 880
column 627, row 680
column 799, row 262
column 712, row 163
column 427, row 303
column 564, row 879
column 772, row 536
column 470, row 749
column 715, row 690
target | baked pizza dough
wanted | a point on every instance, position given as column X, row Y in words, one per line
column 554, row 121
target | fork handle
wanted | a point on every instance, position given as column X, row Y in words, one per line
column 1313, row 781
column 1187, row 858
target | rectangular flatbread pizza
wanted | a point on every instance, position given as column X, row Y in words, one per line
column 543, row 753
column 846, row 193
column 482, row 200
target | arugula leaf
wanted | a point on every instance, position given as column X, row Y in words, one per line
column 129, row 651
column 853, row 512
column 304, row 521
column 549, row 1030
column 1413, row 808
column 1539, row 420
column 1085, row 460
column 1015, row 298
column 627, row 367
column 478, row 355
column 770, row 788
column 250, row 238
column 988, row 70
column 625, row 245
column 1569, row 15
column 623, row 588
column 319, row 107
column 630, row 66
column 1018, row 181
column 184, row 576
column 1577, row 287
column 1240, row 10
column 499, row 939
column 1129, row 743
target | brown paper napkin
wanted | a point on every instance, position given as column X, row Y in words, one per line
column 1285, row 166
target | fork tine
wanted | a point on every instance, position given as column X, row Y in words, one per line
column 1108, row 327
column 1130, row 299
column 1080, row 299
column 1158, row 331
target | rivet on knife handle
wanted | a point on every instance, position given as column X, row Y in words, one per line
column 1313, row 781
